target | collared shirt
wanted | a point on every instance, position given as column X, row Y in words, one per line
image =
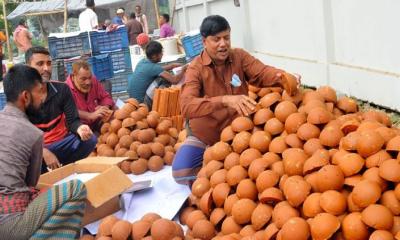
column 166, row 30
column 21, row 151
column 204, row 87
column 88, row 20
column 134, row 28
column 61, row 115
column 117, row 20
column 97, row 96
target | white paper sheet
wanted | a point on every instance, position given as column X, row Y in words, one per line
column 165, row 198
column 119, row 103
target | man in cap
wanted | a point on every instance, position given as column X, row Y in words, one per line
column 118, row 20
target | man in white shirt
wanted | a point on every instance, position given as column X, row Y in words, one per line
column 141, row 18
column 88, row 19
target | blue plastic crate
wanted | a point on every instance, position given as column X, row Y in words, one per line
column 101, row 65
column 3, row 100
column 120, row 82
column 121, row 60
column 103, row 41
column 67, row 47
column 193, row 45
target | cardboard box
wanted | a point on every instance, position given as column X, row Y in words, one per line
column 102, row 191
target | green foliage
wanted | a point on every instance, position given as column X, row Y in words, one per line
column 10, row 6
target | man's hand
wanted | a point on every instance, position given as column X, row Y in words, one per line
column 84, row 132
column 50, row 159
column 101, row 111
column 289, row 82
column 241, row 103
column 174, row 65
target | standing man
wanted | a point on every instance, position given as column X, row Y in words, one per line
column 141, row 18
column 88, row 19
column 22, row 37
column 66, row 139
column 118, row 20
column 24, row 213
column 93, row 102
column 166, row 29
column 215, row 92
column 134, row 28
column 3, row 39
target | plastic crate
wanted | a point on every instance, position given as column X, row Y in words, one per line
column 69, row 46
column 58, row 70
column 120, row 82
column 121, row 60
column 3, row 100
column 103, row 41
column 101, row 65
column 193, row 45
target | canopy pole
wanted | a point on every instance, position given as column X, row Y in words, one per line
column 173, row 13
column 65, row 16
column 157, row 13
column 10, row 55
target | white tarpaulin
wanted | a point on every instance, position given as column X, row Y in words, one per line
column 53, row 6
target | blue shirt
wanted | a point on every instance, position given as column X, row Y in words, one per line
column 144, row 74
column 117, row 20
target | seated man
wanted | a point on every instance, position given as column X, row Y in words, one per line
column 66, row 139
column 215, row 92
column 24, row 213
column 92, row 101
column 147, row 70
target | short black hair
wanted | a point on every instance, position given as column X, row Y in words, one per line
column 35, row 50
column 213, row 25
column 153, row 48
column 90, row 3
column 166, row 17
column 132, row 16
column 18, row 79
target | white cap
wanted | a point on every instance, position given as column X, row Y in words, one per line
column 120, row 11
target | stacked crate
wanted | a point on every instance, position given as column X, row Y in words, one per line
column 106, row 52
column 116, row 45
column 166, row 103
column 64, row 46
column 192, row 43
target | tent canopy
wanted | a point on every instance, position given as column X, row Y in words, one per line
column 57, row 6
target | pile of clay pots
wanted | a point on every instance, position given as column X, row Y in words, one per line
column 151, row 226
column 144, row 137
column 305, row 166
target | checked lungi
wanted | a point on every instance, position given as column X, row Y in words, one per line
column 54, row 214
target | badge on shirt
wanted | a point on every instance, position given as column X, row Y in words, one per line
column 235, row 82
